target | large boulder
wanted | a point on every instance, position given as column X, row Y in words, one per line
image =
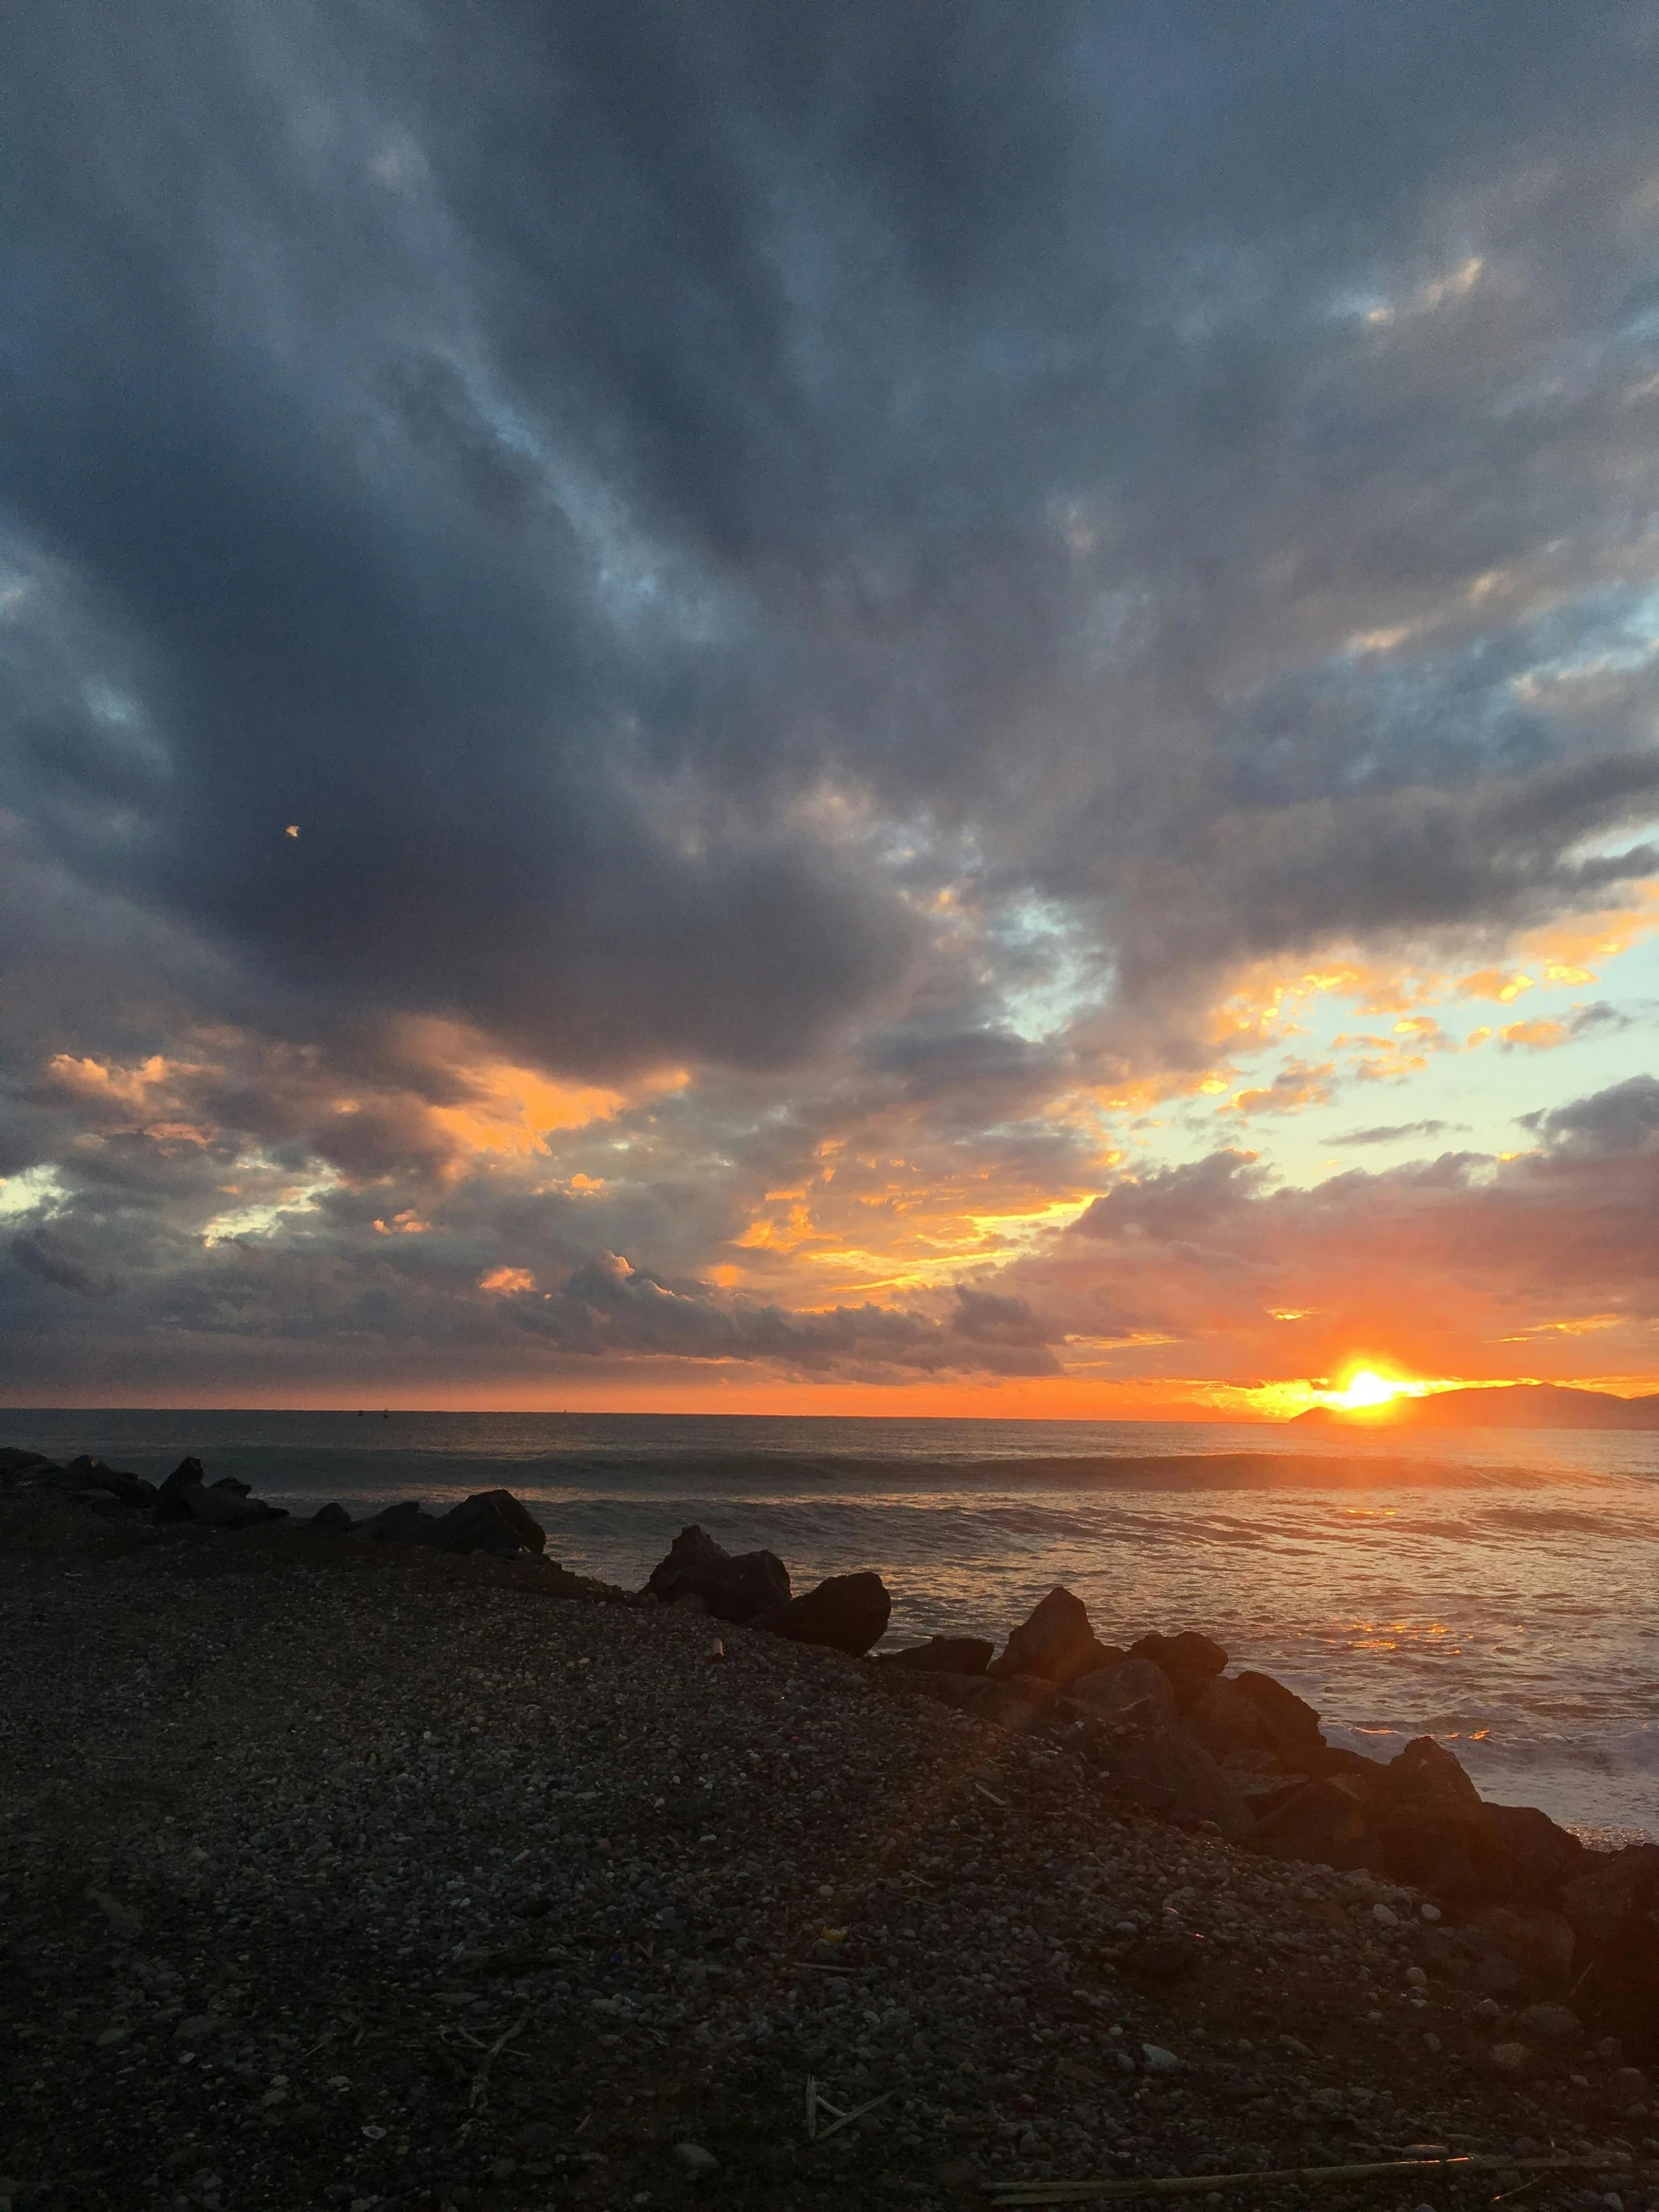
column 213, row 1505
column 1171, row 1773
column 189, row 1475
column 1325, row 1823
column 1189, row 1659
column 734, row 1587
column 1135, row 1694
column 1533, row 1855
column 490, row 1520
column 17, row 1465
column 1609, row 1904
column 87, row 1474
column 406, row 1522
column 332, row 1520
column 1055, row 1641
column 1251, row 1718
column 1431, row 1822
column 1614, row 1911
column 944, row 1655
column 848, row 1612
column 1014, row 1701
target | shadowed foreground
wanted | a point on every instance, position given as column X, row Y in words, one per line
column 352, row 1875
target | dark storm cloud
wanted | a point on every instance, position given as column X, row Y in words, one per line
column 1621, row 1119
column 819, row 544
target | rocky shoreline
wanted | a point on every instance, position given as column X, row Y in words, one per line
column 342, row 1866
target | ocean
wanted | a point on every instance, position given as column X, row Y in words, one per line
column 1492, row 1588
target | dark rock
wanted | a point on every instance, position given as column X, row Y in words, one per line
column 490, row 1520
column 406, row 1522
column 848, row 1612
column 734, row 1587
column 1325, row 1823
column 333, row 1519
column 1251, row 1716
column 1189, row 1659
column 1609, row 1904
column 1016, row 1701
column 1551, row 2023
column 944, row 1655
column 1134, row 1694
column 87, row 1474
column 229, row 1482
column 16, row 1463
column 1431, row 1824
column 189, row 1475
column 211, row 1507
column 1533, row 1856
column 1171, row 1773
column 1541, row 1943
column 1055, row 1642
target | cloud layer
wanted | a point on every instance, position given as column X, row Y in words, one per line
column 688, row 652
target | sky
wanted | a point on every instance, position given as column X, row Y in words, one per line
column 847, row 708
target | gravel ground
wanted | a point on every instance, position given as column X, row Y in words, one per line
column 335, row 1875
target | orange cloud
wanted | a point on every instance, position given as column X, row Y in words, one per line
column 506, row 1282
column 1539, row 1036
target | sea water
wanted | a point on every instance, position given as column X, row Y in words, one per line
column 1495, row 1589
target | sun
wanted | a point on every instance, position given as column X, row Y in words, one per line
column 1366, row 1389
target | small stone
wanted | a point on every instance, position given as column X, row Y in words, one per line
column 1510, row 2058
column 1430, row 1912
column 1551, row 2023
column 1158, row 2060
column 1487, row 2013
column 1415, row 1977
column 504, row 2170
column 1384, row 1916
column 695, row 2162
column 717, row 1649
column 112, row 2037
column 126, row 1922
column 1432, row 2042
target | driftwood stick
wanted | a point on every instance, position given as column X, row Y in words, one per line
column 480, row 2079
column 857, row 2112
column 1198, row 2185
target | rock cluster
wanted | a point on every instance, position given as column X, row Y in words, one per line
column 494, row 1521
column 1537, row 1914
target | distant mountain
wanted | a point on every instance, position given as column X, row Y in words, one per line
column 1506, row 1405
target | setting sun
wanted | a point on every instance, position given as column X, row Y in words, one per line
column 1366, row 1389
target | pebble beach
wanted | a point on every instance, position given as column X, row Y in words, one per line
column 356, row 1875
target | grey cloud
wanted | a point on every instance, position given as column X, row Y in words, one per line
column 42, row 1255
column 1621, row 1119
column 1395, row 1132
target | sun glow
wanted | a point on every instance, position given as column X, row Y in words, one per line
column 1366, row 1388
